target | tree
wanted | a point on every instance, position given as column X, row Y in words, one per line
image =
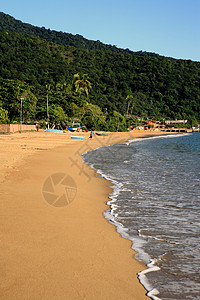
column 129, row 100
column 94, row 117
column 82, row 84
column 117, row 122
column 74, row 111
column 10, row 93
column 192, row 122
column 3, row 116
column 57, row 115
column 48, row 91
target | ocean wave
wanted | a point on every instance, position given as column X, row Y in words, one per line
column 157, row 137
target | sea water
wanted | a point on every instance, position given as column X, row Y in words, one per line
column 156, row 204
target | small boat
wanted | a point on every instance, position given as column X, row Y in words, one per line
column 77, row 137
column 54, row 130
column 74, row 127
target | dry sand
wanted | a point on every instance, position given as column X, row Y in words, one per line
column 70, row 252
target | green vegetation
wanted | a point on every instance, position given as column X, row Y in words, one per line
column 9, row 23
column 3, row 116
column 93, row 83
column 11, row 92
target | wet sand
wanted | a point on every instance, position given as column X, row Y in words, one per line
column 67, row 252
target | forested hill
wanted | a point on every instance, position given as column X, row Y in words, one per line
column 117, row 82
column 9, row 23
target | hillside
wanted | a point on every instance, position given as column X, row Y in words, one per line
column 9, row 23
column 147, row 85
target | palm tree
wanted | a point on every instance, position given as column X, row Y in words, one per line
column 48, row 90
column 129, row 99
column 82, row 84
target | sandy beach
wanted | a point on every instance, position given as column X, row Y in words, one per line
column 60, row 247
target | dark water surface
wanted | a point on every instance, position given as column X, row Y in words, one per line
column 156, row 204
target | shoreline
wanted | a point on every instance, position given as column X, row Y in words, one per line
column 63, row 252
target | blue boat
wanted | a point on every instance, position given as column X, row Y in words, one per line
column 77, row 137
column 74, row 128
column 54, row 130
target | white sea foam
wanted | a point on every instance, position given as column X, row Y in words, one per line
column 127, row 161
column 152, row 292
column 157, row 137
column 157, row 238
column 126, row 190
column 137, row 242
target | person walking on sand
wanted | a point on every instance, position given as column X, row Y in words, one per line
column 37, row 126
column 91, row 133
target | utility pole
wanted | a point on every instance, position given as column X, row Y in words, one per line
column 21, row 112
column 48, row 110
column 21, row 98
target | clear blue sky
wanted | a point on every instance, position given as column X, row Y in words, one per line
column 167, row 27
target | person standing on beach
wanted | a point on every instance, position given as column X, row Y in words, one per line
column 37, row 126
column 91, row 133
